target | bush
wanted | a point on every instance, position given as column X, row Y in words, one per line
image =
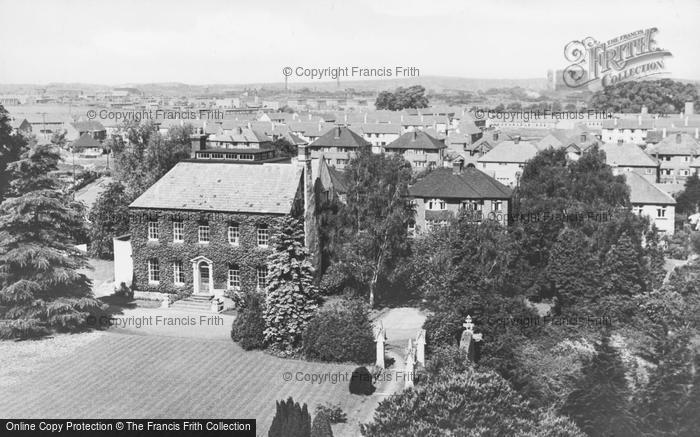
column 124, row 292
column 447, row 360
column 333, row 412
column 333, row 280
column 340, row 333
column 443, row 329
column 678, row 245
column 321, row 426
column 247, row 329
column 291, row 420
column 695, row 242
column 361, row 382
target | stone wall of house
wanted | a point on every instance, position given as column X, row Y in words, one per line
column 247, row 255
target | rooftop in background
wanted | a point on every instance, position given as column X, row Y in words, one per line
column 340, row 136
column 627, row 155
column 513, row 151
column 469, row 183
column 416, row 140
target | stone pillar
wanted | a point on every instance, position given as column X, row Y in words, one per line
column 380, row 349
column 420, row 347
column 409, row 371
column 165, row 303
column 215, row 305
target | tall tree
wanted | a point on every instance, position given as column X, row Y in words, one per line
column 688, row 200
column 402, row 98
column 40, row 286
column 11, row 149
column 600, row 403
column 109, row 218
column 377, row 216
column 292, row 298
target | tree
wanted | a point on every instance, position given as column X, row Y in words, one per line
column 659, row 96
column 292, row 298
column 600, row 402
column 284, row 147
column 470, row 403
column 291, row 420
column 41, row 288
column 402, row 98
column 688, row 200
column 11, row 149
column 109, row 218
column 376, row 217
column 147, row 154
column 321, row 426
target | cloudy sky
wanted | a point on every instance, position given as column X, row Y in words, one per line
column 212, row 41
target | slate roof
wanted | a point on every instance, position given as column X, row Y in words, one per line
column 224, row 187
column 677, row 144
column 470, row 183
column 340, row 136
column 627, row 155
column 88, row 126
column 380, row 128
column 644, row 192
column 416, row 140
column 86, row 142
column 510, row 151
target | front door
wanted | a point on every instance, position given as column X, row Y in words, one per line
column 204, row 278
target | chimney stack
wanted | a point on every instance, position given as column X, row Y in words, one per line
column 495, row 136
column 337, row 132
column 583, row 138
column 516, row 140
column 415, row 135
column 620, row 141
column 678, row 138
column 457, row 166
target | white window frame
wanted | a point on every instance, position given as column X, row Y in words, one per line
column 152, row 231
column 234, row 235
column 178, row 231
column 153, row 271
column 263, row 236
column 234, row 278
column 178, row 273
column 203, row 230
column 261, row 280
column 661, row 212
column 497, row 205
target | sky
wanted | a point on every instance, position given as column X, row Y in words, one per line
column 230, row 42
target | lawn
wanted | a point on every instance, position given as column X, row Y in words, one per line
column 120, row 375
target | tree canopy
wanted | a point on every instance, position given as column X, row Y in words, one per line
column 402, row 98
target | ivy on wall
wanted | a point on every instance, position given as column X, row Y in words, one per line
column 247, row 255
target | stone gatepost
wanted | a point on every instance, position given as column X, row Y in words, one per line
column 468, row 339
column 420, row 347
column 380, row 340
column 409, row 371
column 165, row 303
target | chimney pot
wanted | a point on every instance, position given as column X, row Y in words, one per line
column 457, row 166
column 678, row 138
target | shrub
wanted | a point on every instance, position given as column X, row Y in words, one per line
column 443, row 329
column 361, row 382
column 340, row 333
column 695, row 242
column 124, row 292
column 447, row 360
column 291, row 420
column 333, row 280
column 321, row 426
column 247, row 329
column 678, row 245
column 333, row 412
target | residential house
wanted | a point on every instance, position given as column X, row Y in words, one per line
column 627, row 130
column 90, row 127
column 87, row 146
column 675, row 154
column 420, row 149
column 444, row 192
column 649, row 200
column 238, row 144
column 628, row 157
column 505, row 162
column 337, row 146
column 379, row 134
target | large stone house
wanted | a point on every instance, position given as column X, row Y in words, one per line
column 649, row 200
column 444, row 192
column 206, row 226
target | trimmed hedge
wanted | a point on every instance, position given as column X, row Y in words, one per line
column 340, row 333
column 247, row 329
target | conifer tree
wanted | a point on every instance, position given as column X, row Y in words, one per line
column 41, row 288
column 292, row 298
column 291, row 420
column 321, row 426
